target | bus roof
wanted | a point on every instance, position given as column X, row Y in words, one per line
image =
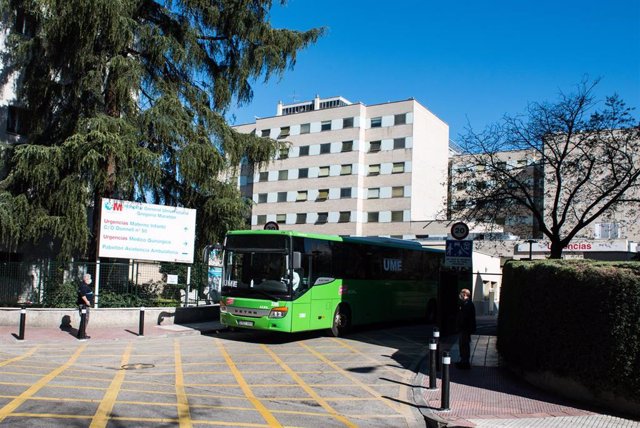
column 375, row 240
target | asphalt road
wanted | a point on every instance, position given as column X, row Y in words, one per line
column 239, row 379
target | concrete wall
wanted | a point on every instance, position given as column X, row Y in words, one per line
column 108, row 317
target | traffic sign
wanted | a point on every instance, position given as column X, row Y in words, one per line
column 459, row 230
column 458, row 253
column 272, row 225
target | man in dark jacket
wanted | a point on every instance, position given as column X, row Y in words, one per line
column 85, row 301
column 466, row 326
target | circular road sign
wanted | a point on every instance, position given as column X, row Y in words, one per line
column 272, row 225
column 459, row 230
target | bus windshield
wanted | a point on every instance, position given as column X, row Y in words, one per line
column 256, row 274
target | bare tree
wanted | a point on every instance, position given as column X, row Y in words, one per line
column 557, row 168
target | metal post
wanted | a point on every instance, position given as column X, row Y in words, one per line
column 432, row 364
column 96, row 296
column 23, row 316
column 444, row 399
column 141, row 323
column 83, row 324
column 436, row 336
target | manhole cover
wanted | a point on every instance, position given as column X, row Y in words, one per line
column 137, row 366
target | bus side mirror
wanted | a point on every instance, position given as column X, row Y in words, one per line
column 297, row 260
column 205, row 254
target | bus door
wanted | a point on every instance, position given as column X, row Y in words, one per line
column 301, row 298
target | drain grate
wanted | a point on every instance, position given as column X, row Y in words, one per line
column 137, row 366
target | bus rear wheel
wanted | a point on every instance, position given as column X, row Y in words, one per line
column 341, row 321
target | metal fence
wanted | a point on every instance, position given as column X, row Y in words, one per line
column 47, row 283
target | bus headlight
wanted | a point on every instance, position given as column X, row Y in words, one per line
column 279, row 312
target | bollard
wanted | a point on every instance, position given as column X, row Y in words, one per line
column 436, row 336
column 83, row 324
column 444, row 399
column 23, row 317
column 141, row 322
column 432, row 364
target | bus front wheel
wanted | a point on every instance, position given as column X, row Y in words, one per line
column 341, row 321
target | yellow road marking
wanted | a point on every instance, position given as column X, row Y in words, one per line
column 266, row 414
column 345, row 373
column 184, row 416
column 403, row 391
column 48, row 415
column 17, row 402
column 308, row 389
column 101, row 417
column 29, row 353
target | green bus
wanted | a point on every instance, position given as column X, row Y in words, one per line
column 287, row 281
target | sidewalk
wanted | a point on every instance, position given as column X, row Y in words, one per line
column 37, row 335
column 489, row 395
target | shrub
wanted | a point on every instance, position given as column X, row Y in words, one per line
column 577, row 319
column 64, row 295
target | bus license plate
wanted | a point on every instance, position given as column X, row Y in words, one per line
column 245, row 323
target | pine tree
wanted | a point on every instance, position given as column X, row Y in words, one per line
column 126, row 99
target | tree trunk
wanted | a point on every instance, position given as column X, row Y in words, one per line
column 556, row 249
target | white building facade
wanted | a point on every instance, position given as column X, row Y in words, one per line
column 351, row 169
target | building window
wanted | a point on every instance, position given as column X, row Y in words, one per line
column 461, row 186
column 400, row 119
column 303, row 173
column 284, row 152
column 397, row 192
column 323, row 195
column 347, row 122
column 372, row 217
column 324, row 171
column 375, row 146
column 374, row 169
column 461, row 204
column 283, row 174
column 264, row 176
column 397, row 216
column 282, row 196
column 373, row 193
column 344, row 217
column 281, row 218
column 345, row 169
column 262, row 219
column 345, row 193
column 376, row 122
column 325, row 125
column 265, row 132
column 347, row 146
column 301, row 218
column 302, row 196
column 262, row 198
column 399, row 143
column 398, row 167
column 607, row 231
column 325, row 148
column 284, row 132
column 322, row 218
column 305, row 128
column 17, row 122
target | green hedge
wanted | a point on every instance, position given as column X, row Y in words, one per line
column 575, row 318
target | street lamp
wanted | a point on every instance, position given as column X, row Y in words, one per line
column 530, row 242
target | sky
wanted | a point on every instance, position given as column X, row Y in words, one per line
column 468, row 62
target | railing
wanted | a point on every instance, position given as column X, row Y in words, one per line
column 47, row 283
